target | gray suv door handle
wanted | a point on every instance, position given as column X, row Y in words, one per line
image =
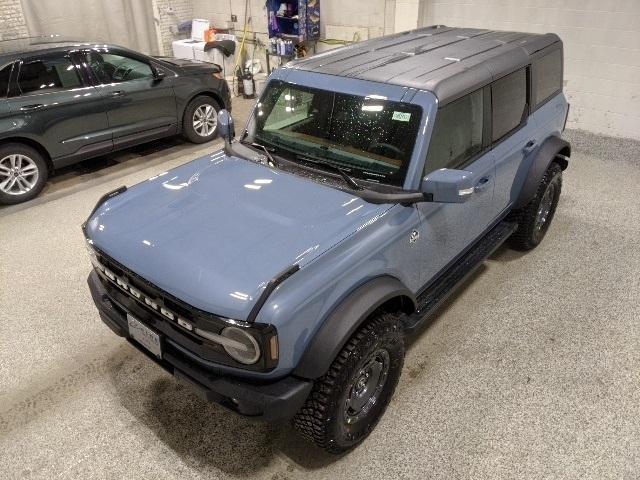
column 117, row 93
column 482, row 184
column 29, row 108
column 529, row 147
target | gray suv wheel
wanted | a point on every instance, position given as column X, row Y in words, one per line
column 200, row 123
column 23, row 173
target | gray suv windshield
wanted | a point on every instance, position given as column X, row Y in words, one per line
column 369, row 137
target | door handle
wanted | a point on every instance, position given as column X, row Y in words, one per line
column 30, row 108
column 117, row 93
column 529, row 147
column 482, row 184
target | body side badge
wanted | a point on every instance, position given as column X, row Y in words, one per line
column 414, row 236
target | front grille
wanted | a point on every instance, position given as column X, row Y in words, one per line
column 174, row 318
column 163, row 299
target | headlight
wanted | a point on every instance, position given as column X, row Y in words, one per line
column 244, row 348
column 246, row 345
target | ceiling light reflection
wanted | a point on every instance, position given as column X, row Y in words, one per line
column 239, row 296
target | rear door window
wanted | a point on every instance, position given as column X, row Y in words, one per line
column 48, row 74
column 457, row 133
column 509, row 103
column 547, row 77
column 5, row 75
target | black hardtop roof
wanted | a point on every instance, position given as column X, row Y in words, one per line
column 446, row 61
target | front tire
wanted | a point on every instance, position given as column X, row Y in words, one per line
column 346, row 403
column 200, row 121
column 23, row 173
column 535, row 217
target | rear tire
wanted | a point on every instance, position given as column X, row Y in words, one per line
column 23, row 173
column 200, row 121
column 346, row 403
column 534, row 218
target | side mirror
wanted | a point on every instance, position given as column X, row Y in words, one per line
column 225, row 126
column 448, row 186
column 158, row 74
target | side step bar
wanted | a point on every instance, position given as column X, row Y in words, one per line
column 429, row 300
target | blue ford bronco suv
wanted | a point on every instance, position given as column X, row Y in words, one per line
column 280, row 276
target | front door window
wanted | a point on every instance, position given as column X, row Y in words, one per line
column 116, row 68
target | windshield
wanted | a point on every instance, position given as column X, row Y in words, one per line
column 369, row 137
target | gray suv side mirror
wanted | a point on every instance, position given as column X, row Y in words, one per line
column 448, row 186
column 158, row 74
column 225, row 126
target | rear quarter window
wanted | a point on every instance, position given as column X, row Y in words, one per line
column 547, row 77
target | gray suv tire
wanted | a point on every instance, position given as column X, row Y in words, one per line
column 23, row 173
column 200, row 121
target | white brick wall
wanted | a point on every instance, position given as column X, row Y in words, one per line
column 377, row 16
column 219, row 12
column 602, row 50
column 172, row 13
column 406, row 15
column 12, row 24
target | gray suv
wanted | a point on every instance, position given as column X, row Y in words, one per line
column 282, row 275
column 65, row 102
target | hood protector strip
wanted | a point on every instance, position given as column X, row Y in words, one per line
column 271, row 286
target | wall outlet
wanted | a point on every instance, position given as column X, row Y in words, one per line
column 234, row 18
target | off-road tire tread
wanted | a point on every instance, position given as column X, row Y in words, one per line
column 313, row 419
column 525, row 217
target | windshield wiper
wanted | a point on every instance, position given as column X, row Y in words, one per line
column 264, row 149
column 330, row 166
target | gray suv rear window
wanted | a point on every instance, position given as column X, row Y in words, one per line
column 48, row 74
column 5, row 74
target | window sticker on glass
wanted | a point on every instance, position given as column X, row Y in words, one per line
column 401, row 116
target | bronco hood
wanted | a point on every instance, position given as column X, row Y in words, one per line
column 213, row 232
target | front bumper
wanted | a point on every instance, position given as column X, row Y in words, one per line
column 274, row 401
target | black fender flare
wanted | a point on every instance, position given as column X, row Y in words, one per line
column 553, row 148
column 344, row 320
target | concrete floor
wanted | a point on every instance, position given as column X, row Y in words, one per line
column 531, row 371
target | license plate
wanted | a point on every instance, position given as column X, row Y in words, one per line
column 144, row 336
